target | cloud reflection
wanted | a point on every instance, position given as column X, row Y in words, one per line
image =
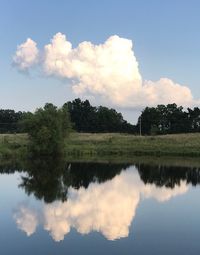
column 26, row 219
column 108, row 208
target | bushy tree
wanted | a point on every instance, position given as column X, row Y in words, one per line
column 169, row 119
column 87, row 118
column 47, row 129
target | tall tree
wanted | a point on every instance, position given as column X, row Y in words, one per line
column 87, row 118
column 47, row 129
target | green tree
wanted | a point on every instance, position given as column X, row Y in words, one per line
column 194, row 119
column 9, row 121
column 149, row 121
column 169, row 119
column 47, row 129
column 87, row 118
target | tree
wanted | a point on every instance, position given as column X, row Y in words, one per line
column 47, row 129
column 9, row 121
column 149, row 120
column 194, row 119
column 83, row 115
column 169, row 119
column 87, row 118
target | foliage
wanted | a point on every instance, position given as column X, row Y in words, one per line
column 169, row 119
column 47, row 129
column 162, row 119
column 9, row 121
column 87, row 118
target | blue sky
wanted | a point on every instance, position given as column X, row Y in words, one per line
column 165, row 35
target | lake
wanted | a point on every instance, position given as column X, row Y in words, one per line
column 50, row 206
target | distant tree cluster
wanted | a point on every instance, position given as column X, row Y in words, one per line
column 9, row 120
column 169, row 119
column 84, row 117
column 87, row 118
column 163, row 119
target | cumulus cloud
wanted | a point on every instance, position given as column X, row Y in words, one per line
column 108, row 72
column 26, row 56
column 166, row 91
column 108, row 208
column 26, row 219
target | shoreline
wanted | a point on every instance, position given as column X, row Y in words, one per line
column 111, row 145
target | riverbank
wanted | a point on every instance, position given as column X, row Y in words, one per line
column 130, row 145
column 13, row 145
column 119, row 145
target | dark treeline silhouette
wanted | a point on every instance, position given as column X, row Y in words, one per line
column 82, row 174
column 169, row 119
column 87, row 118
column 168, row 176
column 9, row 121
column 84, row 118
column 163, row 119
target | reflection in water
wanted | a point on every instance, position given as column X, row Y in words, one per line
column 26, row 219
column 168, row 176
column 50, row 179
column 107, row 206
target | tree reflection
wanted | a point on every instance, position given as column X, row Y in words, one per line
column 50, row 178
column 168, row 176
column 45, row 178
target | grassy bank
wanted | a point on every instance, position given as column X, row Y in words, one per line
column 13, row 145
column 130, row 145
column 111, row 145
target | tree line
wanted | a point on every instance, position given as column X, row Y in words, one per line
column 162, row 119
column 83, row 116
column 9, row 121
column 87, row 118
column 169, row 119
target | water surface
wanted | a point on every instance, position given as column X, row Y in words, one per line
column 57, row 207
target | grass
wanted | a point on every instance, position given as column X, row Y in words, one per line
column 123, row 144
column 111, row 145
column 12, row 145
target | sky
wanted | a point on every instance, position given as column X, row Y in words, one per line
column 125, row 54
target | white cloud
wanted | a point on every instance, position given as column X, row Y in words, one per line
column 26, row 56
column 166, row 91
column 26, row 219
column 108, row 72
column 108, row 208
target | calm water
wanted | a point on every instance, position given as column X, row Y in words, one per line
column 54, row 207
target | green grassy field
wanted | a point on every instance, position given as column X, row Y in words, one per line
column 12, row 145
column 94, row 145
column 122, row 144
